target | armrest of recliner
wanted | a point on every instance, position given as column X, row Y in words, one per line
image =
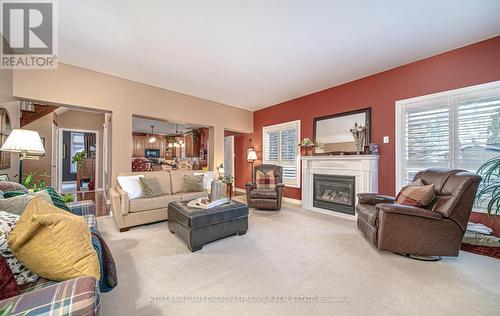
column 408, row 210
column 374, row 198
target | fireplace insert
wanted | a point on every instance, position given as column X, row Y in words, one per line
column 334, row 193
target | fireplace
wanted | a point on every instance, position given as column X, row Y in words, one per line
column 334, row 193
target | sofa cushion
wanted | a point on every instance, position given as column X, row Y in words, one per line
column 193, row 183
column 131, row 185
column 54, row 243
column 6, row 186
column 17, row 204
column 153, row 203
column 368, row 213
column 264, row 194
column 151, row 187
column 164, row 179
column 177, row 178
column 188, row 196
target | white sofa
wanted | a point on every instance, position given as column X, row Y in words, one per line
column 128, row 213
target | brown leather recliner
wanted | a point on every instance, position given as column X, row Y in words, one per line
column 433, row 231
column 266, row 199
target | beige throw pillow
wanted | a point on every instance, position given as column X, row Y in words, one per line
column 151, row 187
column 17, row 204
column 193, row 183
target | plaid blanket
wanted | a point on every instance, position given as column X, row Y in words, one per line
column 78, row 296
column 82, row 208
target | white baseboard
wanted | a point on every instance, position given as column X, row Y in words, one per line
column 285, row 199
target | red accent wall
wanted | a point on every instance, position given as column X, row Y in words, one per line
column 470, row 65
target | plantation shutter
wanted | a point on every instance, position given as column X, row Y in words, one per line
column 426, row 138
column 458, row 130
column 280, row 148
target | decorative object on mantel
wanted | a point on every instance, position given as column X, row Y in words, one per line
column 308, row 143
column 373, row 149
column 331, row 132
column 358, row 132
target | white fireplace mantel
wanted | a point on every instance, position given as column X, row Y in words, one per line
column 363, row 167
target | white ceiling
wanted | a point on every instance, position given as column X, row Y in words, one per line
column 142, row 125
column 253, row 54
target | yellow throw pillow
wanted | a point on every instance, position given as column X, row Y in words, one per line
column 53, row 243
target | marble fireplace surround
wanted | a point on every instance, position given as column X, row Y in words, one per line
column 363, row 167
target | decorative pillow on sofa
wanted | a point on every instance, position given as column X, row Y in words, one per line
column 22, row 274
column 17, row 204
column 55, row 244
column 184, row 164
column 416, row 194
column 8, row 284
column 57, row 199
column 265, row 181
column 131, row 185
column 7, row 186
column 193, row 183
column 151, row 187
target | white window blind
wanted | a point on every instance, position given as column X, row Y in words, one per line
column 280, row 148
column 454, row 129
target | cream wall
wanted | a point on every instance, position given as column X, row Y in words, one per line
column 8, row 101
column 70, row 85
column 44, row 127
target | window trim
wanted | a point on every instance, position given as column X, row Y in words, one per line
column 399, row 105
column 281, row 126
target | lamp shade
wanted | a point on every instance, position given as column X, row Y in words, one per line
column 25, row 142
column 252, row 155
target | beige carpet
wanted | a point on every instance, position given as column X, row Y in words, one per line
column 297, row 256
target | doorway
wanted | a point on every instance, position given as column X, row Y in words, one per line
column 79, row 157
column 229, row 156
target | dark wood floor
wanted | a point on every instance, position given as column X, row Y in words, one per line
column 98, row 197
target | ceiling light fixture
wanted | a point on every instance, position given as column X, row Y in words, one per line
column 152, row 138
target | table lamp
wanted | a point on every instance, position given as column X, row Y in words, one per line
column 26, row 143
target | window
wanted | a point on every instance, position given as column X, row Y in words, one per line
column 77, row 145
column 454, row 129
column 280, row 148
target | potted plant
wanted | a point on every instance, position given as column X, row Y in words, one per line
column 31, row 183
column 78, row 159
column 228, row 180
column 489, row 189
column 68, row 197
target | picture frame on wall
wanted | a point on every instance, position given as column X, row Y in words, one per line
column 4, row 177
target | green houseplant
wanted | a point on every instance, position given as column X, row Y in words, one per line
column 35, row 180
column 489, row 189
column 78, row 159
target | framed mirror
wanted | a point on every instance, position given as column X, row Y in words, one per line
column 5, row 129
column 332, row 132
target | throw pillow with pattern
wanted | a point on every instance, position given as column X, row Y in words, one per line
column 265, row 181
column 150, row 187
column 22, row 274
column 416, row 194
column 6, row 186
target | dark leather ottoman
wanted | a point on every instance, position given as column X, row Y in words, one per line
column 200, row 226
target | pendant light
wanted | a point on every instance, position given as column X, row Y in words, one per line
column 152, row 137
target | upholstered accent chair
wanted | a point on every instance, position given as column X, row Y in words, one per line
column 434, row 231
column 266, row 199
